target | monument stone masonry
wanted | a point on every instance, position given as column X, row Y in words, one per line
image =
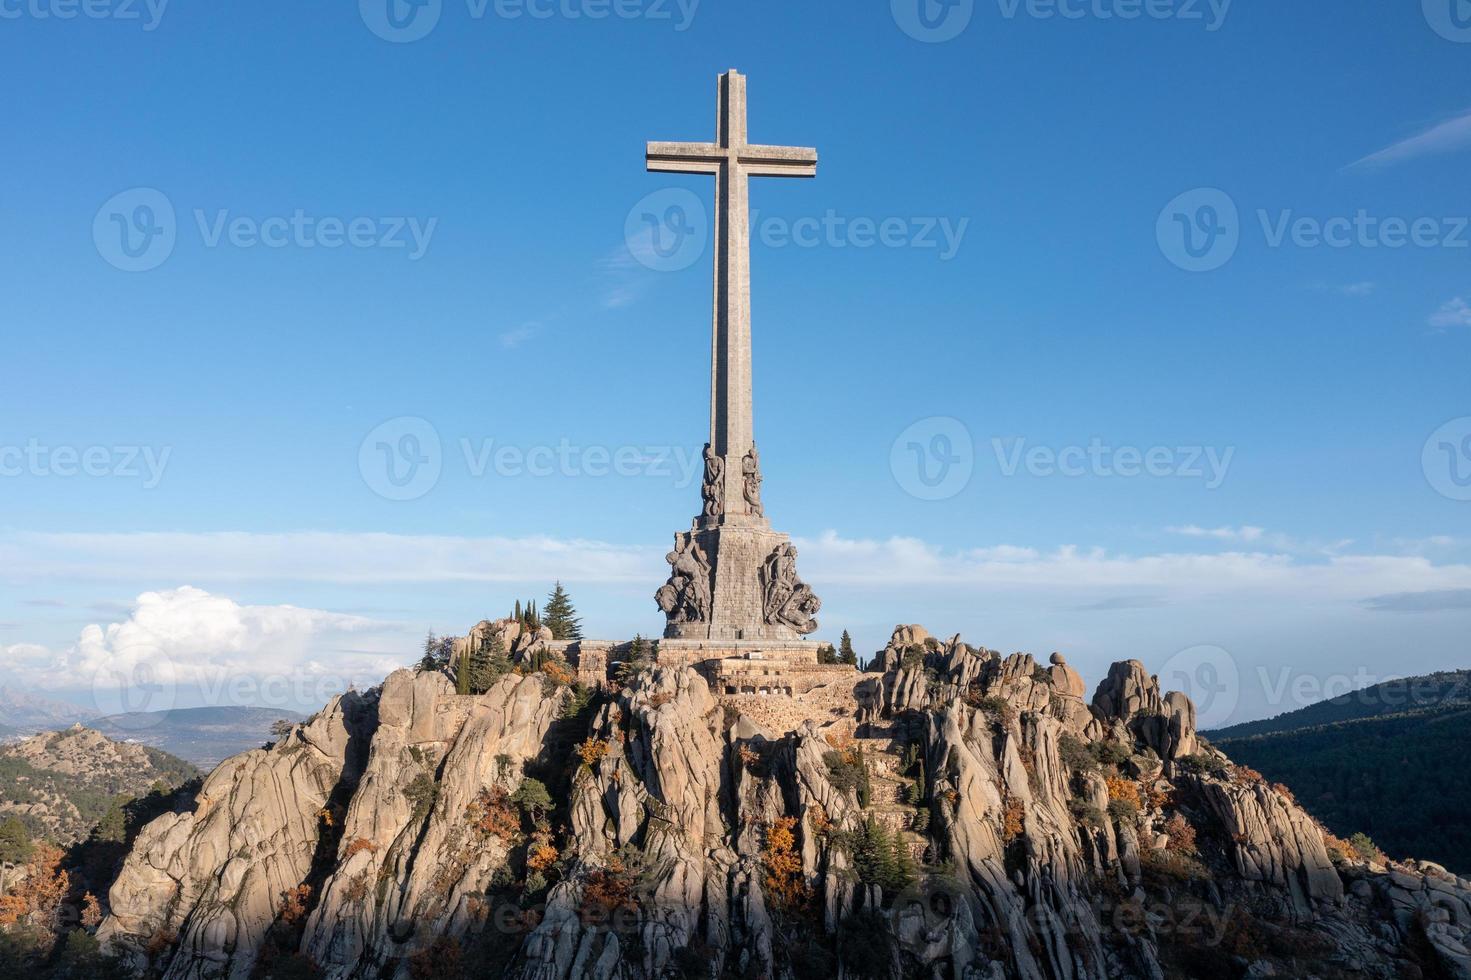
column 733, row 589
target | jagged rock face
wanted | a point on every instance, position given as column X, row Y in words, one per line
column 1026, row 834
column 213, row 878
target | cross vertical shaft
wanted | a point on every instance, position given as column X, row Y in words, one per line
column 732, row 160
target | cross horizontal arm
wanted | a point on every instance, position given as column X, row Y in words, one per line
column 779, row 161
column 685, row 158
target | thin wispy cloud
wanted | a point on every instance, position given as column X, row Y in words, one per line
column 898, row 562
column 624, row 278
column 1445, row 137
column 512, row 339
column 1244, row 533
column 1443, row 600
column 1452, row 313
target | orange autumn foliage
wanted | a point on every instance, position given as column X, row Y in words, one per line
column 1120, row 788
column 542, row 854
column 1182, row 835
column 1013, row 819
column 593, row 749
column 494, row 816
column 357, row 845
column 783, row 866
column 41, row 891
column 609, row 889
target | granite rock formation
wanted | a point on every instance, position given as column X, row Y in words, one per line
column 972, row 817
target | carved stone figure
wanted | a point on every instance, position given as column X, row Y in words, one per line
column 751, row 469
column 786, row 599
column 713, row 490
column 685, row 598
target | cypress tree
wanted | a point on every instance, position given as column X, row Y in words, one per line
column 462, row 673
column 846, row 653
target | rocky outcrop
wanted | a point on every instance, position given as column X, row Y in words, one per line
column 208, row 883
column 62, row 782
column 986, row 823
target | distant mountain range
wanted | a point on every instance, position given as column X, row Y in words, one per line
column 24, row 713
column 1388, row 761
column 203, row 736
column 1444, row 689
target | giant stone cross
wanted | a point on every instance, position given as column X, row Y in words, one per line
column 733, row 578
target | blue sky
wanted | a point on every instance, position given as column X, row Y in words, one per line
column 227, row 392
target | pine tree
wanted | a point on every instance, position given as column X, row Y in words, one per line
column 430, row 660
column 486, row 665
column 15, row 842
column 639, row 660
column 561, row 617
column 846, row 653
column 826, row 655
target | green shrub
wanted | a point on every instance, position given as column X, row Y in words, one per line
column 1110, row 753
column 1366, row 848
column 1086, row 813
column 421, row 793
column 1202, row 764
column 1075, row 755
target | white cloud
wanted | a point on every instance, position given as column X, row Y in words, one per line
column 1452, row 313
column 186, row 646
column 1444, row 137
column 1313, row 610
column 1357, row 289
